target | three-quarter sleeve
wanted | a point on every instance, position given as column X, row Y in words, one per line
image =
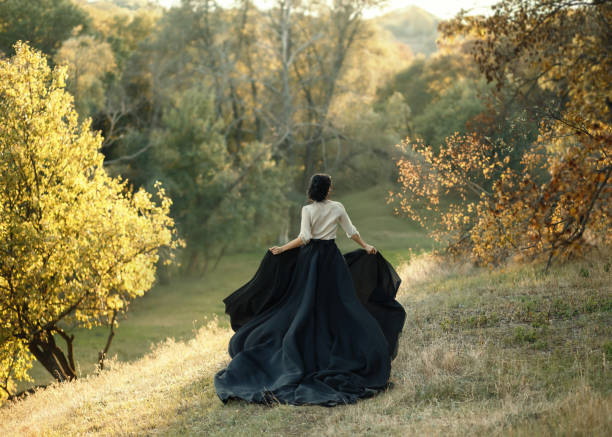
column 346, row 224
column 305, row 231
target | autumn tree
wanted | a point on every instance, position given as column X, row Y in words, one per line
column 558, row 202
column 445, row 188
column 76, row 246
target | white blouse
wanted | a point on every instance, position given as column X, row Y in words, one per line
column 320, row 220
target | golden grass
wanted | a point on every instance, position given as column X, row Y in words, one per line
column 127, row 398
column 423, row 267
column 511, row 352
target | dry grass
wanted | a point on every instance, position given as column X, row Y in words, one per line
column 512, row 352
column 128, row 398
column 423, row 267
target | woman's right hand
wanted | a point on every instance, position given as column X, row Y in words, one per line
column 276, row 250
column 370, row 249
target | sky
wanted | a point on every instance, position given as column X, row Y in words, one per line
column 443, row 8
column 440, row 8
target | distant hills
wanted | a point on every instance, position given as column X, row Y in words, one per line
column 132, row 5
column 412, row 26
column 107, row 8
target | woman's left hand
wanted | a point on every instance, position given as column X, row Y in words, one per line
column 370, row 249
column 276, row 250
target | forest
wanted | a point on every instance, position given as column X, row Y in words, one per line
column 140, row 144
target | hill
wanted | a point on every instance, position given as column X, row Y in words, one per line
column 509, row 352
column 412, row 26
column 130, row 5
column 101, row 10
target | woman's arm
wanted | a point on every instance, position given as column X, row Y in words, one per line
column 298, row 242
column 291, row 245
column 303, row 238
column 352, row 232
column 369, row 248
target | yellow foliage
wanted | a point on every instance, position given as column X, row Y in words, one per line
column 558, row 203
column 75, row 244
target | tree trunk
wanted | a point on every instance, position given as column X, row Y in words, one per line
column 102, row 354
column 193, row 258
column 220, row 256
column 51, row 357
column 295, row 218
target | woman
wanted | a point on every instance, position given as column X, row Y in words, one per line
column 314, row 326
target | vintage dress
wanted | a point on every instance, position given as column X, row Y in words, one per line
column 313, row 326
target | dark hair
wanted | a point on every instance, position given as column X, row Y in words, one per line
column 319, row 186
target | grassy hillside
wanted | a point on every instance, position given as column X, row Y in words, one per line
column 178, row 309
column 512, row 352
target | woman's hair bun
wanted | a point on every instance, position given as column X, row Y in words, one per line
column 319, row 186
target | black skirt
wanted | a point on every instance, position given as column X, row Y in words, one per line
column 313, row 326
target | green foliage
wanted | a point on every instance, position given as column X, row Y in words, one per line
column 412, row 82
column 446, row 95
column 366, row 162
column 44, row 23
column 450, row 111
column 125, row 34
column 219, row 198
column 522, row 334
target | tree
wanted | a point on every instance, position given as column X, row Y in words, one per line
column 276, row 74
column 88, row 61
column 124, row 111
column 217, row 200
column 76, row 246
column 561, row 46
column 309, row 44
column 557, row 203
column 450, row 111
column 44, row 23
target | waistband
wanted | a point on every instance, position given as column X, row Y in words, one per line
column 322, row 241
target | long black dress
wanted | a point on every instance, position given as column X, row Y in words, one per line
column 313, row 327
